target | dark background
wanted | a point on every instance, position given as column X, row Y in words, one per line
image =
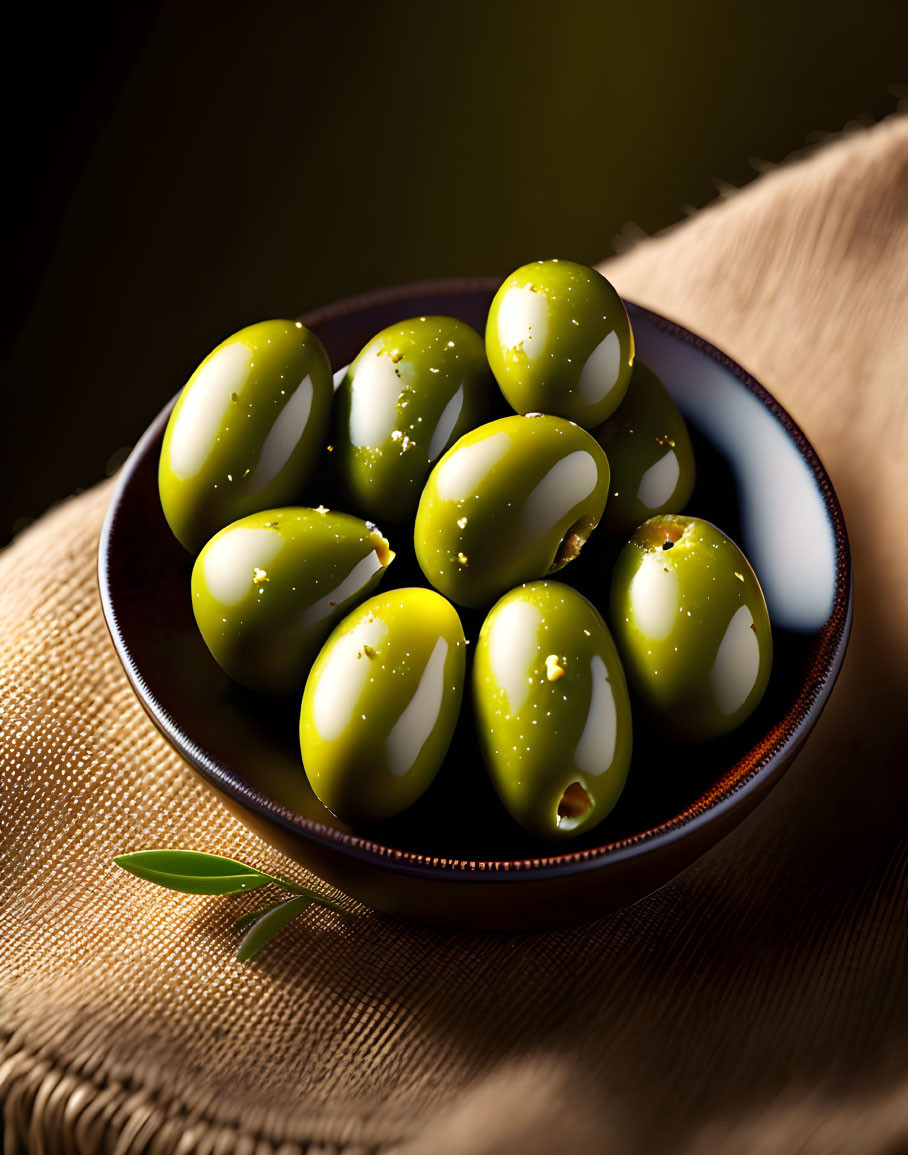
column 182, row 169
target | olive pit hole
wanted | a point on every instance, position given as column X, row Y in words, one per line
column 572, row 543
column 662, row 535
column 574, row 805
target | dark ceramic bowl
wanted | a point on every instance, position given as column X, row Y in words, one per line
column 456, row 858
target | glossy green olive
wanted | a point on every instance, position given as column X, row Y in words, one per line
column 381, row 704
column 559, row 341
column 552, row 709
column 649, row 452
column 267, row 590
column 691, row 626
column 409, row 395
column 246, row 431
column 511, row 501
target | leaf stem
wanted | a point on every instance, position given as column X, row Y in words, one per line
column 313, row 894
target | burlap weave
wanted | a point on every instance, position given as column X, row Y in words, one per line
column 757, row 1004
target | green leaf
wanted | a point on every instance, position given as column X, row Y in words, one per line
column 272, row 921
column 192, row 872
column 254, row 915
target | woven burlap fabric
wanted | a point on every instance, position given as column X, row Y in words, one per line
column 757, row 1004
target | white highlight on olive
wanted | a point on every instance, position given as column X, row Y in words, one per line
column 342, row 678
column 737, row 665
column 512, row 649
column 523, row 321
column 355, row 580
column 413, row 728
column 283, row 436
column 232, row 558
column 374, row 393
column 203, row 404
column 596, row 749
column 658, row 483
column 460, row 474
column 655, row 596
column 600, row 373
column 569, row 481
column 445, row 427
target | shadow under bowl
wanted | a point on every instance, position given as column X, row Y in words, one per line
column 456, row 858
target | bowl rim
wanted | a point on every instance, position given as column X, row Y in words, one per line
column 766, row 759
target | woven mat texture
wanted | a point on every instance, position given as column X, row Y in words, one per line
column 758, row 1004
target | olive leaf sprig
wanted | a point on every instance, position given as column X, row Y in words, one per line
column 194, row 872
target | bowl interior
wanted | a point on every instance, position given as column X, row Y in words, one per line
column 758, row 479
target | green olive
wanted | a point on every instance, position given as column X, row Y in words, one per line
column 511, row 501
column 552, row 709
column 246, row 431
column 691, row 625
column 649, row 453
column 412, row 391
column 381, row 704
column 559, row 341
column 267, row 590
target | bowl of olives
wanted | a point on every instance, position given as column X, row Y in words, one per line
column 494, row 604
